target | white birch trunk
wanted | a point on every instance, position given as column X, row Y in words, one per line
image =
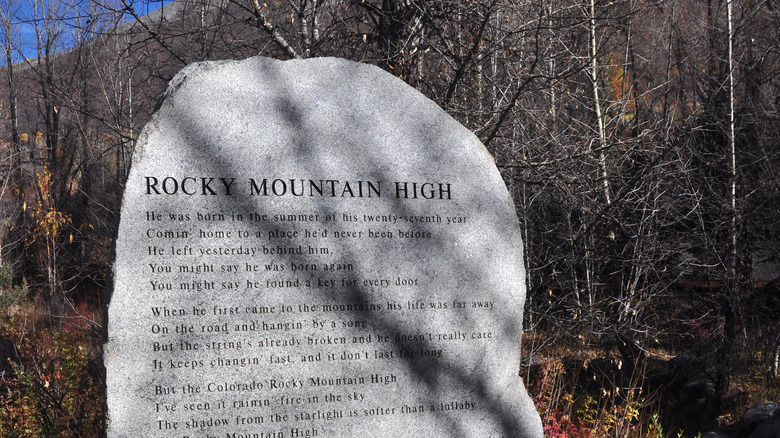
column 604, row 175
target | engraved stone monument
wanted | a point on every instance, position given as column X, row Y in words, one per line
column 313, row 249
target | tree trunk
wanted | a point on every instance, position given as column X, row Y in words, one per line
column 604, row 175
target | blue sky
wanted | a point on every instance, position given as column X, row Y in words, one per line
column 74, row 11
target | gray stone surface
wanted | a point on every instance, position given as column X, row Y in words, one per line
column 313, row 248
column 759, row 413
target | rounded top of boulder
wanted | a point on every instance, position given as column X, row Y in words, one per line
column 314, row 248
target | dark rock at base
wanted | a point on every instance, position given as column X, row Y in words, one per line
column 701, row 386
column 762, row 420
column 768, row 429
column 715, row 434
column 698, row 414
column 759, row 413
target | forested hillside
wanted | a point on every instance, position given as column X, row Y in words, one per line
column 640, row 140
